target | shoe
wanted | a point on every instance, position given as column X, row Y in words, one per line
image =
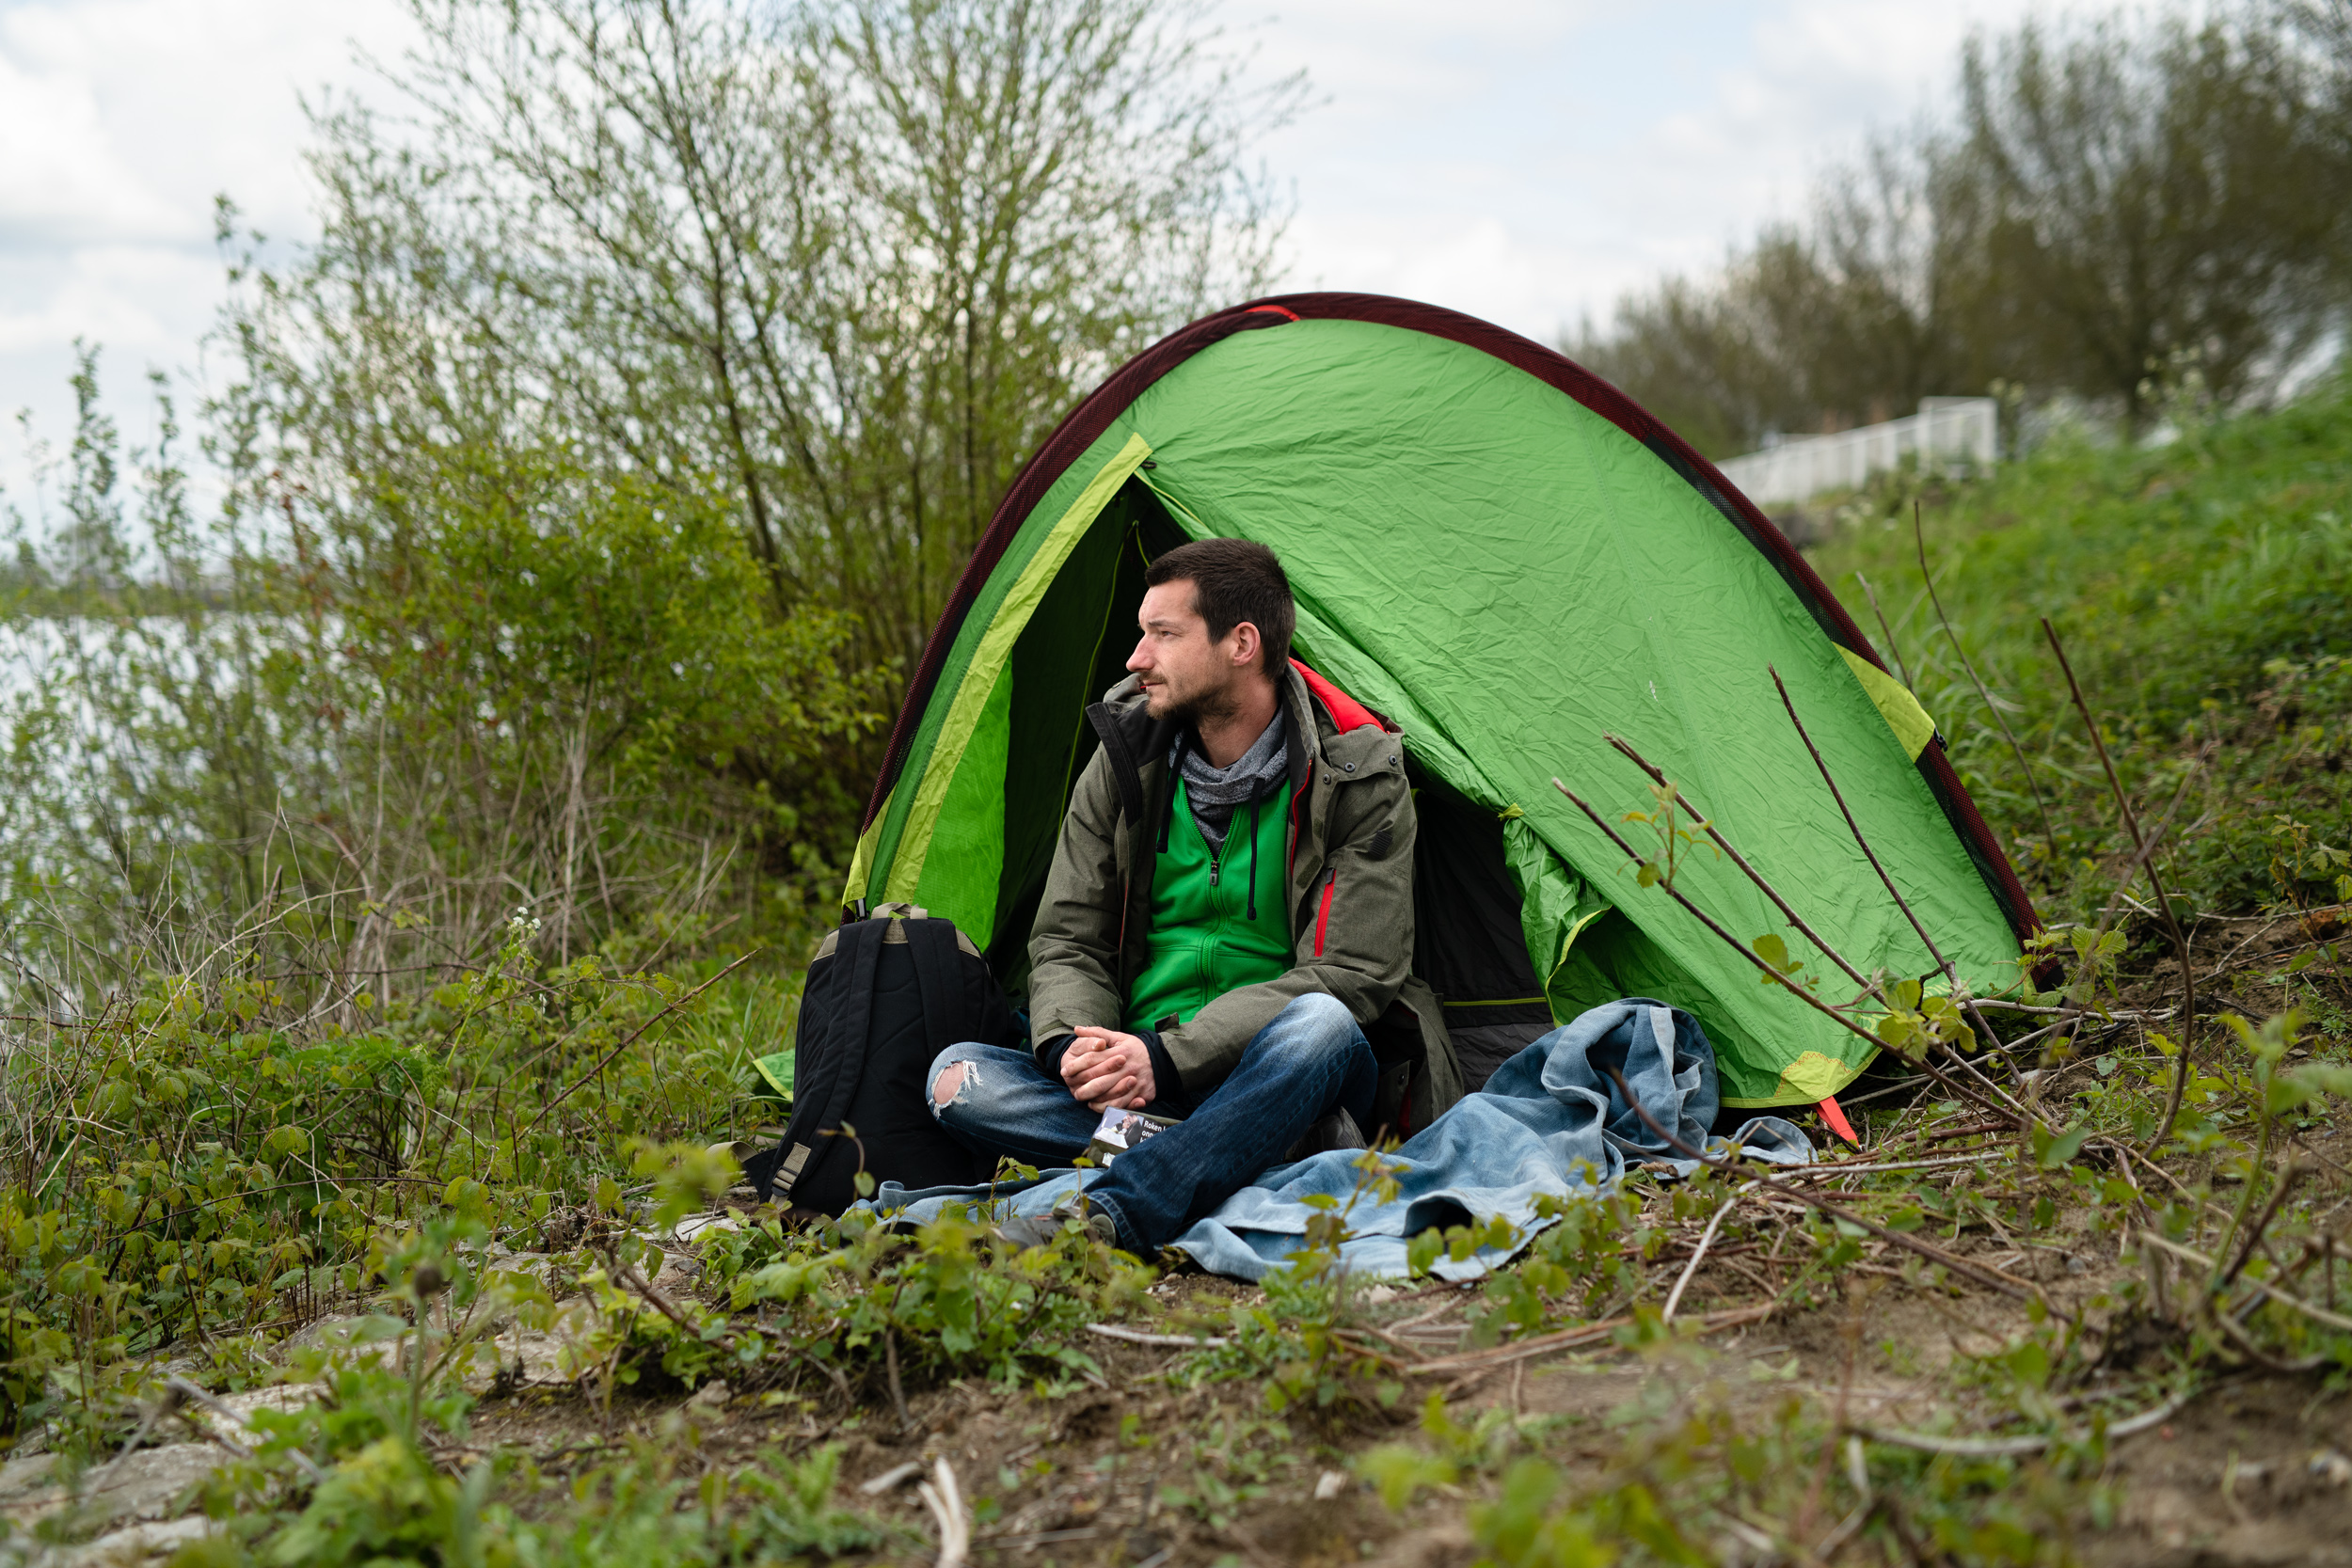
column 1024, row 1231
column 1336, row 1131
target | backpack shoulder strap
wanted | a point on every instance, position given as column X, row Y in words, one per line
column 936, row 945
column 820, row 1111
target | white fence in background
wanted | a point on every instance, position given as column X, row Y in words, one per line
column 1801, row 466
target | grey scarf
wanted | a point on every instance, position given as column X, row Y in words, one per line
column 1216, row 791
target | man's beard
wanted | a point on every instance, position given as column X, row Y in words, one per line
column 1214, row 705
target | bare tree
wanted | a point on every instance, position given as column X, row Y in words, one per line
column 850, row 257
column 2143, row 197
column 2116, row 202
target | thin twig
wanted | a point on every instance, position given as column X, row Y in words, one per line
column 2294, row 1173
column 1453, row 1300
column 2071, row 1009
column 1173, row 1341
column 1823, row 1171
column 1951, row 975
column 2155, row 884
column 1892, row 646
column 1959, row 991
column 1708, row 921
column 890, row 1368
column 1984, row 1274
column 1674, row 1297
column 632, row 1039
column 1919, row 537
column 1795, row 989
column 1573, row 1339
column 1994, row 1448
column 2292, row 1303
column 1706, row 825
column 2261, row 1357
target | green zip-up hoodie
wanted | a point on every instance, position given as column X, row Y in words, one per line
column 1347, row 890
column 1218, row 921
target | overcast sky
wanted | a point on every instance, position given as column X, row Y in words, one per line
column 1521, row 160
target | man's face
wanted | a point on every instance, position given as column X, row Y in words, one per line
column 1184, row 675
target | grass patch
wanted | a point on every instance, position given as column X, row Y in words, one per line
column 2203, row 590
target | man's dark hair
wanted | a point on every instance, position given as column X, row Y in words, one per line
column 1235, row 580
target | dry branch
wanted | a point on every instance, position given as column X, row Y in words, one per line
column 1174, row 1341
column 2292, row 1303
column 1983, row 1274
column 946, row 1502
column 1706, row 825
column 1674, row 1298
column 1919, row 538
column 2155, row 884
column 1573, row 1338
column 1754, row 957
column 1995, row 1448
column 1951, row 975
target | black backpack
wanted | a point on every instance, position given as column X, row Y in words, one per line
column 884, row 996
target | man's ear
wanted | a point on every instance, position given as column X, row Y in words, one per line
column 1246, row 643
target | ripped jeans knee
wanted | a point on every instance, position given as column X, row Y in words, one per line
column 953, row 1078
column 998, row 1102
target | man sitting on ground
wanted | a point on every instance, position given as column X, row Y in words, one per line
column 1230, row 900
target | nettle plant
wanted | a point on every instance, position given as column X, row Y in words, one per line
column 865, row 1295
column 209, row 1161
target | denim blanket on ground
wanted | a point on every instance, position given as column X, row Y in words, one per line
column 1549, row 1122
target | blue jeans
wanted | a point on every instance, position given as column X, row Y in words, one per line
column 1290, row 1075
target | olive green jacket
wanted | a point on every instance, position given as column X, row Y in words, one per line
column 1350, row 886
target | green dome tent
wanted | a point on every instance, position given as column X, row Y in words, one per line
column 1506, row 557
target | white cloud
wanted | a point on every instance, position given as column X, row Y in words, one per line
column 119, row 121
column 125, row 293
column 1530, row 164
column 61, row 180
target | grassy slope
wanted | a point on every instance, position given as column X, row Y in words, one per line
column 2182, row 578
column 2204, row 592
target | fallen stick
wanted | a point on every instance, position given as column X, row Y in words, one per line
column 2261, row 1357
column 1998, row 1448
column 1808, row 1173
column 2292, row 1303
column 890, row 1479
column 1674, row 1297
column 1455, row 1298
column 1176, row 1341
column 1573, row 1339
column 1984, row 1274
column 1975, row 1129
column 946, row 1501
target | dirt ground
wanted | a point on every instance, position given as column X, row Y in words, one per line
column 1144, row 1468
